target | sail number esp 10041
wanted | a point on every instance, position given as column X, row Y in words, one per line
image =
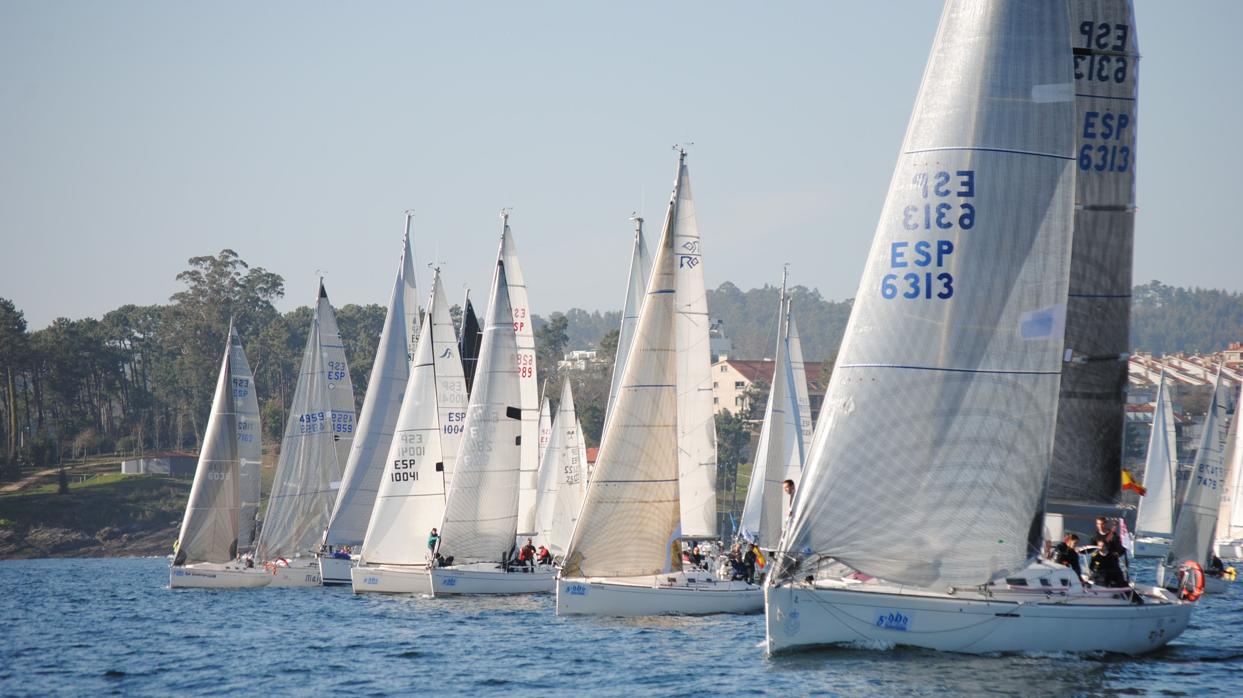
column 945, row 204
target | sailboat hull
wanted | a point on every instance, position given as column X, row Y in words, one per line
column 656, row 596
column 800, row 616
column 1152, row 547
column 213, row 576
column 383, row 579
column 299, row 572
column 334, row 571
column 1230, row 549
column 487, row 579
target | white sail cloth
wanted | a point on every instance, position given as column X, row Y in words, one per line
column 516, row 298
column 304, row 488
column 339, row 387
column 562, row 472
column 1197, row 513
column 636, row 287
column 1230, row 515
column 378, row 418
column 938, row 423
column 249, row 440
column 209, row 529
column 629, row 524
column 481, row 510
column 411, row 496
column 1156, row 508
column 798, row 373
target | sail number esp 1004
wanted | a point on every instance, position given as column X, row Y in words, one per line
column 941, row 207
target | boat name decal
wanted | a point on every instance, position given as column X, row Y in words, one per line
column 893, row 621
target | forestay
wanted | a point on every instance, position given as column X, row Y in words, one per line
column 933, row 449
column 562, row 496
column 303, row 491
column 249, row 440
column 636, row 286
column 1086, row 457
column 629, row 522
column 481, row 512
column 340, row 389
column 696, row 414
column 1197, row 514
column 411, row 497
column 1156, row 508
column 381, row 406
column 529, row 389
column 209, row 530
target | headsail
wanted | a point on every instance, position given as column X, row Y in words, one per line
column 561, row 495
column 249, row 440
column 545, row 431
column 303, row 491
column 629, row 522
column 1197, row 513
column 938, row 422
column 411, row 497
column 381, row 406
column 1156, row 508
column 1087, row 459
column 209, row 530
column 798, row 372
column 1230, row 518
column 696, row 414
column 636, row 286
column 340, row 388
column 481, row 511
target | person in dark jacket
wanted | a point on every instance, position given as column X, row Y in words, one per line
column 1107, row 560
column 1067, row 553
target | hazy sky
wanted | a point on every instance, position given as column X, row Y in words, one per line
column 134, row 135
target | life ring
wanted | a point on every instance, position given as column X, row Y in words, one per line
column 1190, row 580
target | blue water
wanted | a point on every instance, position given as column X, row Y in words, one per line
column 112, row 626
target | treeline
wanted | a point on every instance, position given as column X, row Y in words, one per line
column 1167, row 319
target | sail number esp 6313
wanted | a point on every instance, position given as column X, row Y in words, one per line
column 941, row 207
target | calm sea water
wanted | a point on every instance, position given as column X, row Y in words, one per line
column 112, row 626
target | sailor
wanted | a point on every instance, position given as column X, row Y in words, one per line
column 1107, row 560
column 788, row 487
column 526, row 556
column 1065, row 553
column 544, row 557
column 433, row 539
column 1216, row 568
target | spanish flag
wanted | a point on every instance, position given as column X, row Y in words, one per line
column 1129, row 483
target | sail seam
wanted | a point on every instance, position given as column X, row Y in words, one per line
column 1011, row 151
column 954, row 370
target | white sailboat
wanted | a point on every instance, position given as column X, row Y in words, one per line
column 417, row 471
column 562, row 476
column 636, row 286
column 1196, row 522
column 1154, row 522
column 1229, row 544
column 939, row 419
column 207, row 546
column 376, row 422
column 625, row 555
column 529, row 397
column 249, row 441
column 307, row 472
column 482, row 507
column 780, row 448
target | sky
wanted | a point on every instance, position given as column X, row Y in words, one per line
column 135, row 135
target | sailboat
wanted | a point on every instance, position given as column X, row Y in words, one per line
column 779, row 452
column 636, row 286
column 562, row 474
column 207, row 546
column 249, row 442
column 939, row 419
column 625, row 555
column 1154, row 522
column 1196, row 523
column 420, row 461
column 308, row 471
column 480, row 521
column 361, row 481
column 1229, row 545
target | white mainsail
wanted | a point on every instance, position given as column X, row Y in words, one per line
column 561, row 494
column 340, row 389
column 411, row 497
column 209, row 530
column 779, row 449
column 303, row 491
column 1196, row 522
column 938, row 422
column 629, row 524
column 582, row 458
column 696, row 415
column 249, row 440
column 1156, row 508
column 1230, row 516
column 798, row 373
column 381, row 406
column 481, row 510
column 529, row 390
column 545, row 432
column 636, row 286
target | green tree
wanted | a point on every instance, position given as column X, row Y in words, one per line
column 550, row 342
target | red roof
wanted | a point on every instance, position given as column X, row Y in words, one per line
column 763, row 370
column 592, row 452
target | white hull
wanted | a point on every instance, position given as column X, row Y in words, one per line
column 207, row 575
column 300, row 572
column 1230, row 549
column 334, row 571
column 1216, row 585
column 397, row 579
column 1033, row 620
column 688, row 594
column 1152, row 547
column 486, row 578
